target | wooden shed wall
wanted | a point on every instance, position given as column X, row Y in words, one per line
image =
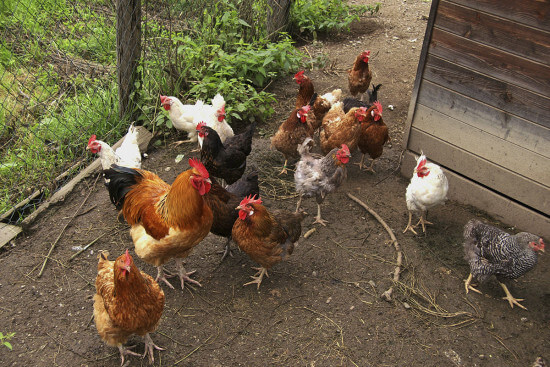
column 481, row 104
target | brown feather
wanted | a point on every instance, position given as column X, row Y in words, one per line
column 373, row 136
column 359, row 77
column 339, row 128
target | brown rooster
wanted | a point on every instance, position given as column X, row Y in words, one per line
column 373, row 135
column 267, row 237
column 360, row 76
column 291, row 133
column 127, row 301
column 306, row 90
column 320, row 106
column 341, row 128
column 166, row 221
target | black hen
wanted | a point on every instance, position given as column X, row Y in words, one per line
column 225, row 160
column 223, row 202
column 350, row 102
column 491, row 251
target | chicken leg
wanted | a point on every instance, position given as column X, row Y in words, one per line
column 511, row 300
column 284, row 170
column 299, row 203
column 409, row 227
column 149, row 346
column 423, row 222
column 258, row 276
column 318, row 218
column 468, row 286
column 362, row 164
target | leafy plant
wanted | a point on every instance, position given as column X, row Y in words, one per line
column 322, row 16
column 4, row 339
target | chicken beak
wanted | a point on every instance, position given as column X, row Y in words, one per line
column 208, row 180
column 87, row 147
column 238, row 208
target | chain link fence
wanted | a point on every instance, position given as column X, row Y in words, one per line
column 70, row 69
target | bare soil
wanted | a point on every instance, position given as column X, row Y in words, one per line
column 322, row 307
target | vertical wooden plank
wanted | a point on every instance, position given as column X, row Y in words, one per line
column 420, row 70
column 128, row 39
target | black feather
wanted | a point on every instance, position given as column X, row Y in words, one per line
column 121, row 179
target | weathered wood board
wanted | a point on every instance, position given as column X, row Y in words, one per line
column 494, row 121
column 501, row 208
column 494, row 31
column 8, row 232
column 482, row 171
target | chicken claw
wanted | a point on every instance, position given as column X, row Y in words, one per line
column 284, row 170
column 409, row 227
column 162, row 277
column 184, row 275
column 318, row 218
column 149, row 346
column 179, row 142
column 468, row 286
column 258, row 276
column 423, row 222
column 511, row 300
column 125, row 351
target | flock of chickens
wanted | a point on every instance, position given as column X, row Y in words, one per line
column 215, row 195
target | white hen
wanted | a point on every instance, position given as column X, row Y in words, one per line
column 186, row 117
column 427, row 189
column 127, row 155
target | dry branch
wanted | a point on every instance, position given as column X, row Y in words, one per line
column 387, row 294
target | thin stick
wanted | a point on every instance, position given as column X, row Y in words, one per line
column 310, row 232
column 66, row 225
column 387, row 294
column 91, row 243
column 194, row 350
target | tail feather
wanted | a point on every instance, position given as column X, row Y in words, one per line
column 121, row 179
column 247, row 146
column 304, row 147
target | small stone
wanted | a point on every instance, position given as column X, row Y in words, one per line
column 481, row 356
column 372, row 283
column 351, row 308
column 406, row 305
column 168, row 169
column 523, row 319
column 328, row 300
column 314, row 273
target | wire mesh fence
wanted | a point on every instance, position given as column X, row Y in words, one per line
column 69, row 69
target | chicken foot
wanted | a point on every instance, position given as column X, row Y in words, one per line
column 409, row 227
column 258, row 276
column 149, row 346
column 362, row 165
column 511, row 300
column 162, row 277
column 468, row 286
column 227, row 250
column 318, row 218
column 423, row 222
column 179, row 142
column 125, row 351
column 284, row 170
column 184, row 275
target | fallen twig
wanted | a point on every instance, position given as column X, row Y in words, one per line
column 387, row 294
column 92, row 242
column 310, row 232
column 65, row 227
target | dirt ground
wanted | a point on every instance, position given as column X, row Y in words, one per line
column 320, row 308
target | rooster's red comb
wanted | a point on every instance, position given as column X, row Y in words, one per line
column 421, row 161
column 127, row 259
column 92, row 139
column 200, row 125
column 345, row 149
column 196, row 164
column 250, row 200
column 378, row 107
column 162, row 98
column 299, row 75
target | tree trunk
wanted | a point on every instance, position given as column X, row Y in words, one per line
column 128, row 44
column 277, row 17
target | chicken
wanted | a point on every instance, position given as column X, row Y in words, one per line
column 291, row 133
column 127, row 301
column 267, row 237
column 225, row 160
column 222, row 202
column 305, row 91
column 539, row 362
column 320, row 106
column 373, row 135
column 318, row 176
column 165, row 221
column 491, row 251
column 341, row 128
column 186, row 117
column 350, row 102
column 428, row 188
column 127, row 155
column 360, row 75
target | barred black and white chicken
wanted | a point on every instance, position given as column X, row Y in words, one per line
column 491, row 251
